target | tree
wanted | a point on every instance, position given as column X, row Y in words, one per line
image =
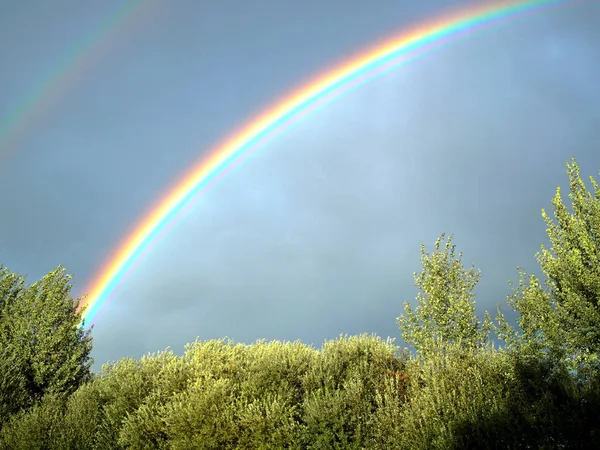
column 562, row 317
column 446, row 310
column 43, row 349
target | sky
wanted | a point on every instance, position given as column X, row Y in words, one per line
column 319, row 233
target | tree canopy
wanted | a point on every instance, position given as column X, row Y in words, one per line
column 43, row 349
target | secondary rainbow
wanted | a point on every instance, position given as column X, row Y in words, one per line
column 275, row 120
column 64, row 74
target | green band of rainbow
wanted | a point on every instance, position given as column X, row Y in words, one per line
column 276, row 119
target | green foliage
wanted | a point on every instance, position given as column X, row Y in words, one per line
column 334, row 417
column 241, row 397
column 340, row 391
column 82, row 419
column 276, row 368
column 353, row 393
column 144, row 427
column 271, row 392
column 42, row 347
column 11, row 285
column 540, row 329
column 38, row 428
column 123, row 386
column 13, row 384
column 268, row 422
column 495, row 399
column 202, row 417
column 562, row 317
column 446, row 310
column 452, row 387
column 14, row 394
column 572, row 265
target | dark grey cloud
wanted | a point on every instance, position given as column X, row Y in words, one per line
column 318, row 233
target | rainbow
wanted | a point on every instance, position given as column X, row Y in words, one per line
column 277, row 119
column 72, row 65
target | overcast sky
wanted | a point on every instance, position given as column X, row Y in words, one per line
column 318, row 234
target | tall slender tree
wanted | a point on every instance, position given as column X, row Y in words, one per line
column 446, row 309
column 562, row 315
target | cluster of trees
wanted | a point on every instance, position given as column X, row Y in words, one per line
column 541, row 390
column 558, row 319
